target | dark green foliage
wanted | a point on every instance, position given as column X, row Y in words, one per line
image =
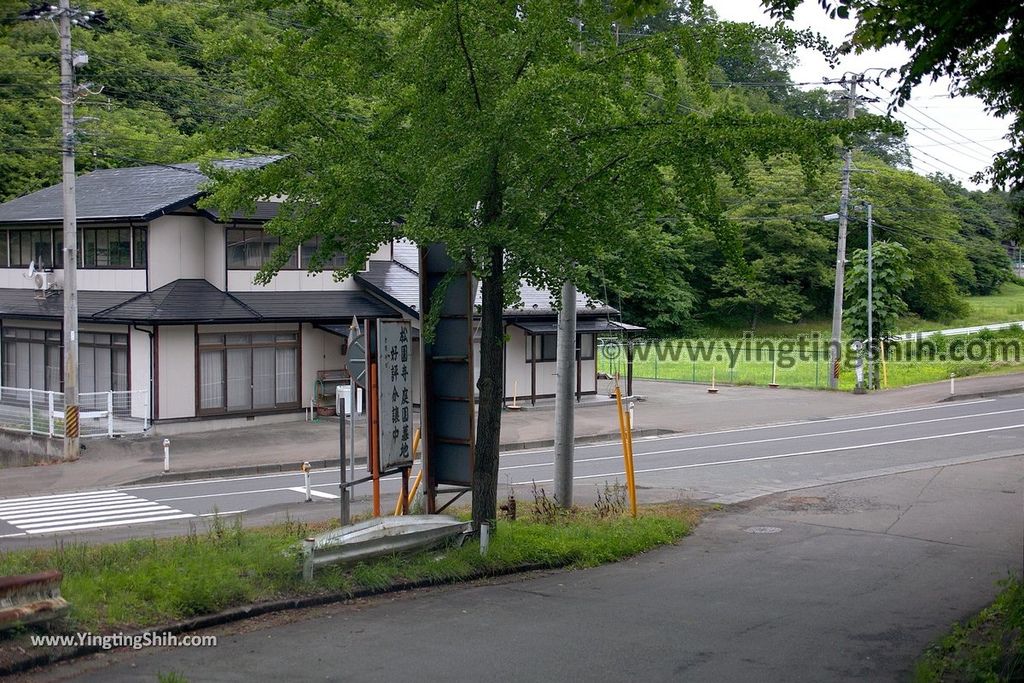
column 891, row 277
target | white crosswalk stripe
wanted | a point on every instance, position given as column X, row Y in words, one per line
column 80, row 511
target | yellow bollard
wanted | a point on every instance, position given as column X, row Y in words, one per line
column 885, row 367
column 627, row 450
column 419, row 477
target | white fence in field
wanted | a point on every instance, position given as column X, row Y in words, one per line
column 101, row 413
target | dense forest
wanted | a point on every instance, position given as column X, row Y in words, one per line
column 161, row 80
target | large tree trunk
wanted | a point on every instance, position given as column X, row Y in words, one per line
column 488, row 426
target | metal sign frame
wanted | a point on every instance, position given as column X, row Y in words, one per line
column 447, row 407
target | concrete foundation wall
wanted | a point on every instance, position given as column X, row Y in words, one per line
column 18, row 449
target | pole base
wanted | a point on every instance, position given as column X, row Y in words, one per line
column 860, row 390
column 712, row 390
column 773, row 385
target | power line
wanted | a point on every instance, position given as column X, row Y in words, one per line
column 947, row 137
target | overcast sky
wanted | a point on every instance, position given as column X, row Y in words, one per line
column 951, row 135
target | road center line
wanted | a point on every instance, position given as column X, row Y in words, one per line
column 795, row 423
column 785, row 455
column 774, row 439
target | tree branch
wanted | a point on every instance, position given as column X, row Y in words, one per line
column 465, row 54
column 608, row 165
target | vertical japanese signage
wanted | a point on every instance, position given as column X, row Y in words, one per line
column 394, row 375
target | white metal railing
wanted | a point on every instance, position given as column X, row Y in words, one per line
column 101, row 413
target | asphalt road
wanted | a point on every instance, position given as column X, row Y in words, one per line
column 727, row 466
column 841, row 582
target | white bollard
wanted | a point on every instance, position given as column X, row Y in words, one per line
column 485, row 538
column 305, row 475
column 632, row 422
column 167, row 456
column 952, row 385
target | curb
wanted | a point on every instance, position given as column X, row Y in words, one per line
column 295, row 467
column 982, row 394
column 261, row 608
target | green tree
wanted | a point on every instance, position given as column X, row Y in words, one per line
column 782, row 266
column 913, row 211
column 531, row 146
column 891, row 277
column 156, row 86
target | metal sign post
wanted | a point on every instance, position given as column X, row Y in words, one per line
column 357, row 378
column 356, row 356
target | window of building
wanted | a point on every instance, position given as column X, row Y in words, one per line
column 309, row 248
column 140, row 237
column 250, row 248
column 546, row 344
column 586, row 348
column 31, row 245
column 547, row 347
column 244, row 372
column 32, row 360
column 105, row 248
column 102, row 362
column 97, row 248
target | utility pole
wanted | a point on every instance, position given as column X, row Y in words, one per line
column 844, row 208
column 871, row 304
column 67, row 102
column 67, row 17
column 566, row 377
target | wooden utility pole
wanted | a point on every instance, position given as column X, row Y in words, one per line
column 834, row 352
column 67, row 101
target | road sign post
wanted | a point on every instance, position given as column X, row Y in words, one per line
column 356, row 360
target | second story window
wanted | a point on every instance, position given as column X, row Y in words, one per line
column 27, row 246
column 106, row 248
column 309, row 248
column 250, row 248
column 97, row 248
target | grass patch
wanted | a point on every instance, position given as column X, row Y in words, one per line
column 989, row 647
column 1005, row 306
column 140, row 583
column 803, row 362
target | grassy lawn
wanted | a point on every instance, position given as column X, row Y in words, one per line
column 684, row 361
column 142, row 583
column 989, row 647
column 1005, row 306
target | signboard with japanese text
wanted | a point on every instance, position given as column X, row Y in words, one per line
column 394, row 387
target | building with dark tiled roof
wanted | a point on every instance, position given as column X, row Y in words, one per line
column 169, row 308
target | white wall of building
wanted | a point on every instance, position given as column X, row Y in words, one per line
column 215, row 255
column 320, row 351
column 176, row 374
column 518, row 369
column 177, row 249
column 288, row 281
column 140, row 371
column 104, row 280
